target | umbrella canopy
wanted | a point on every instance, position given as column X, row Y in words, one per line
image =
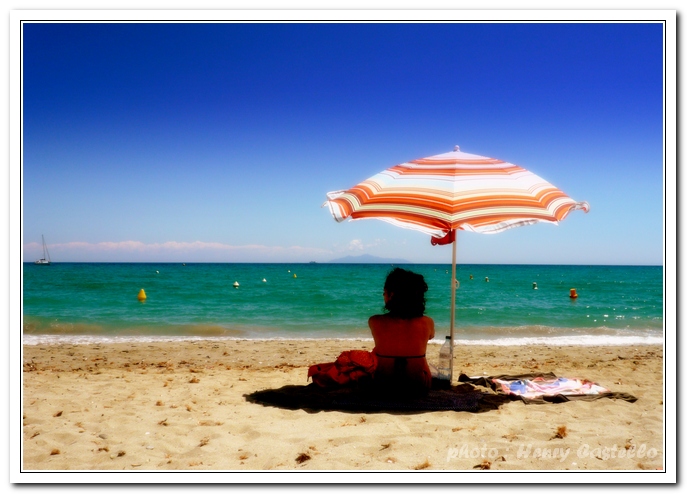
column 454, row 191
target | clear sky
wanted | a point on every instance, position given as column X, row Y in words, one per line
column 219, row 142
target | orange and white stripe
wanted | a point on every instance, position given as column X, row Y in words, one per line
column 454, row 191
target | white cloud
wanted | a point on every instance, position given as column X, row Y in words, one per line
column 355, row 244
column 358, row 245
column 134, row 250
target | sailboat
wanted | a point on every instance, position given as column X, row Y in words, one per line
column 45, row 260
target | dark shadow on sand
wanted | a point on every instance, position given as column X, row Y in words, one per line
column 313, row 399
column 475, row 395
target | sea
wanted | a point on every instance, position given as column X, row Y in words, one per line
column 83, row 303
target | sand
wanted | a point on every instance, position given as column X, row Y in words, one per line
column 181, row 406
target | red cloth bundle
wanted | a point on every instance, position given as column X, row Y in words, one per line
column 350, row 366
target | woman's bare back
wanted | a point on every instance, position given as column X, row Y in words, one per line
column 401, row 345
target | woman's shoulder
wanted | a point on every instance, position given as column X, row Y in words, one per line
column 378, row 319
column 430, row 325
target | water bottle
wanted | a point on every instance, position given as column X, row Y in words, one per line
column 445, row 355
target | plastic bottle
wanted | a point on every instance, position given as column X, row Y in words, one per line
column 445, row 355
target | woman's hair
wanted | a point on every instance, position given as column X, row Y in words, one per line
column 407, row 292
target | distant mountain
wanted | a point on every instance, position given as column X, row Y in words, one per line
column 367, row 258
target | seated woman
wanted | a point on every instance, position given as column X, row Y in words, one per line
column 401, row 335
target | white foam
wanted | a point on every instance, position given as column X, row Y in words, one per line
column 572, row 340
column 576, row 340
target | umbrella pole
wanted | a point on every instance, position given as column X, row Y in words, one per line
column 453, row 297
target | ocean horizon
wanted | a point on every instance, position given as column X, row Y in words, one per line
column 496, row 304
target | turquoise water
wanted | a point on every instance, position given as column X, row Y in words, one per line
column 82, row 301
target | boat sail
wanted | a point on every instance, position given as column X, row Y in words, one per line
column 45, row 260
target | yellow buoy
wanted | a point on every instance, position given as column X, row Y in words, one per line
column 294, row 275
column 142, row 295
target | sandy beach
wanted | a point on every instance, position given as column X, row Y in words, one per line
column 182, row 406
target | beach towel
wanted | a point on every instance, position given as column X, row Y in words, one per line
column 350, row 366
column 542, row 388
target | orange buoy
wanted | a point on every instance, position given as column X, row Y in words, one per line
column 142, row 295
column 573, row 293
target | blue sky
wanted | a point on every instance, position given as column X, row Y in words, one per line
column 219, row 142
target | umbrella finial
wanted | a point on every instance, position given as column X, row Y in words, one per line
column 456, row 148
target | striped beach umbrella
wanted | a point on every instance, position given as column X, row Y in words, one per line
column 442, row 194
